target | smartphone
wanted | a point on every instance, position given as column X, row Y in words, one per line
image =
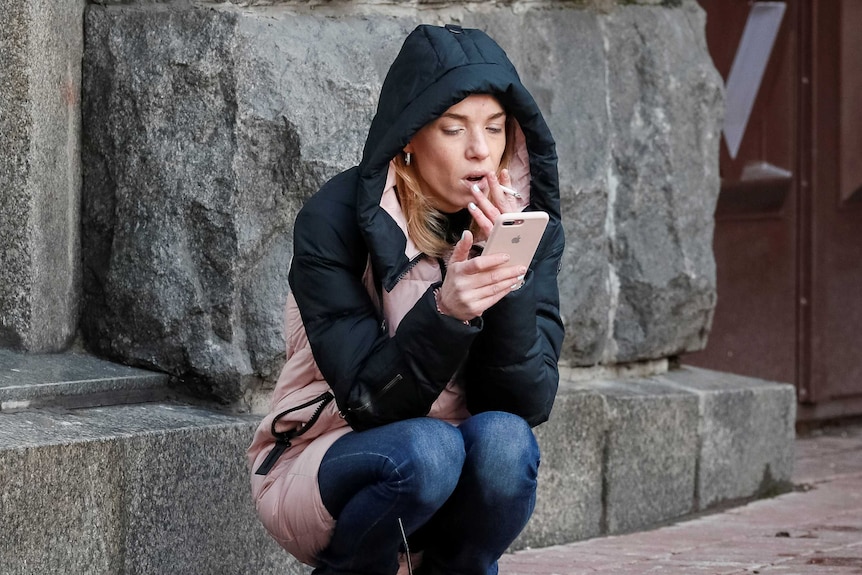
column 517, row 234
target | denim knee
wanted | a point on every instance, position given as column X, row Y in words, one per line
column 502, row 454
column 431, row 461
column 417, row 461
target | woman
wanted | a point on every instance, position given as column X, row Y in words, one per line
column 438, row 359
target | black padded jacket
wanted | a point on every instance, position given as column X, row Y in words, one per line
column 507, row 359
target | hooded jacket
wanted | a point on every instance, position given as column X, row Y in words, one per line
column 362, row 326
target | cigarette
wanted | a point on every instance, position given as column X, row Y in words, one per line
column 511, row 192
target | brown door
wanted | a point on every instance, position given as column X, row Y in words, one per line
column 830, row 383
column 788, row 235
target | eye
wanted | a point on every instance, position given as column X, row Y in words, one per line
column 451, row 131
column 495, row 129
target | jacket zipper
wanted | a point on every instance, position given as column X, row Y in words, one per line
column 283, row 438
column 377, row 395
column 410, row 265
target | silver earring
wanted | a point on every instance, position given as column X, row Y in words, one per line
column 407, row 158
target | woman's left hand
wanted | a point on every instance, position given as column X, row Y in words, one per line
column 486, row 209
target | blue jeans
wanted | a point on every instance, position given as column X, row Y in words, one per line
column 462, row 494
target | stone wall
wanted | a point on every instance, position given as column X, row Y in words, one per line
column 40, row 173
column 207, row 125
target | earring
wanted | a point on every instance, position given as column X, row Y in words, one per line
column 407, row 158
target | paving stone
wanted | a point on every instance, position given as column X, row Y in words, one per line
column 828, row 453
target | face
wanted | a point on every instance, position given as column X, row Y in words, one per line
column 458, row 150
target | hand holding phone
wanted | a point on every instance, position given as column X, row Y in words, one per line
column 517, row 234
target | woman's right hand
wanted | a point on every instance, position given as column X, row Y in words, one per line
column 474, row 285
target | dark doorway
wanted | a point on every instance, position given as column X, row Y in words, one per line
column 788, row 235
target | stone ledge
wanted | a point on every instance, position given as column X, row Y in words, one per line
column 747, row 430
column 162, row 488
column 73, row 380
column 656, row 448
column 143, row 489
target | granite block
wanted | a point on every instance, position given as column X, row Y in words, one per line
column 569, row 494
column 163, row 488
column 747, row 431
column 665, row 107
column 146, row 489
column 41, row 49
column 650, row 454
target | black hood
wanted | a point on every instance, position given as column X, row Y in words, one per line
column 437, row 68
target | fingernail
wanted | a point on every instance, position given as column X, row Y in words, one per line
column 463, row 234
column 520, row 278
column 472, row 206
column 477, row 189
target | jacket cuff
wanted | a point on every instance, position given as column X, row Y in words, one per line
column 435, row 340
column 510, row 324
column 475, row 322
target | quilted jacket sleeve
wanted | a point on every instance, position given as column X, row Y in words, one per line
column 513, row 362
column 376, row 379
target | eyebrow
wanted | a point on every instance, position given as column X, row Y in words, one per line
column 463, row 118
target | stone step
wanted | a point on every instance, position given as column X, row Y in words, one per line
column 73, row 380
column 626, row 453
column 163, row 488
column 151, row 488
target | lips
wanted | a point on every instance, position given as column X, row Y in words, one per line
column 475, row 177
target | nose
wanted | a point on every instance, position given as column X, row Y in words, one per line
column 478, row 146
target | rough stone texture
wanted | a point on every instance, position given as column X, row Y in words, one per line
column 14, row 135
column 747, row 429
column 205, row 129
column 650, row 455
column 567, row 78
column 665, row 107
column 569, row 496
column 355, row 4
column 41, row 44
column 145, row 489
column 195, row 172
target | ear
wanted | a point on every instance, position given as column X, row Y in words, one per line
column 408, row 149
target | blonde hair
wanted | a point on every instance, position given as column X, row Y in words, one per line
column 426, row 225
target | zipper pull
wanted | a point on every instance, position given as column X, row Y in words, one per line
column 281, row 445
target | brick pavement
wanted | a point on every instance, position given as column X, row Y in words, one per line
column 815, row 529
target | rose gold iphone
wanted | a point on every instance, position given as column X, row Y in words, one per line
column 517, row 234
